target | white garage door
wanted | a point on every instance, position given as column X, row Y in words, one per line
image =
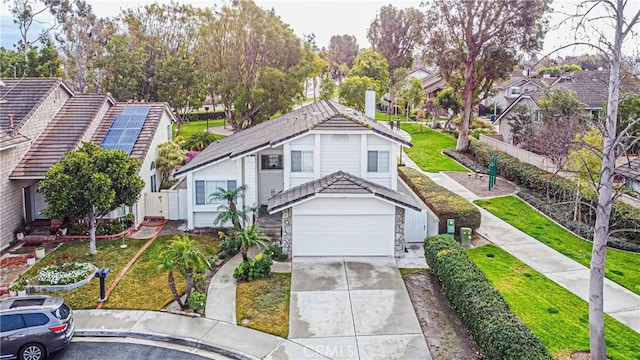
column 343, row 227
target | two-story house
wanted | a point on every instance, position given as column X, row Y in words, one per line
column 330, row 171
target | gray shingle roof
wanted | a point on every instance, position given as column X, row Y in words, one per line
column 321, row 115
column 338, row 183
column 631, row 170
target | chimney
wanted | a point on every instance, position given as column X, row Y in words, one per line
column 10, row 121
column 370, row 103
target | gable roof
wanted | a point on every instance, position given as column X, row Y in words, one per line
column 320, row 115
column 19, row 97
column 630, row 170
column 62, row 134
column 433, row 82
column 592, row 87
column 338, row 183
column 148, row 131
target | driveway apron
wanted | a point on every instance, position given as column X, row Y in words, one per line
column 354, row 308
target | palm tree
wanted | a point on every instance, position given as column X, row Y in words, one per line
column 185, row 256
column 248, row 237
column 229, row 210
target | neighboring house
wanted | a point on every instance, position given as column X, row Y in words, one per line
column 433, row 83
column 330, row 171
column 590, row 87
column 507, row 91
column 26, row 108
column 419, row 73
column 631, row 174
column 41, row 119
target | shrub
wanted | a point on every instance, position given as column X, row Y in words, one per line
column 275, row 251
column 475, row 133
column 196, row 301
column 254, row 269
column 228, row 244
column 464, row 160
column 444, row 203
column 167, row 184
column 543, row 184
column 499, row 333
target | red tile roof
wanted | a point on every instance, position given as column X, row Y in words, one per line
column 63, row 133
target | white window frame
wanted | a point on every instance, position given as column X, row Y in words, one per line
column 515, row 90
column 305, row 166
column 210, row 187
column 378, row 163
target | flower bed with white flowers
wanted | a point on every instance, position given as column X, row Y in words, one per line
column 64, row 274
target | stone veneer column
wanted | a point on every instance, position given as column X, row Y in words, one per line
column 399, row 233
column 285, row 241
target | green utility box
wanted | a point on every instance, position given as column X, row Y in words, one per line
column 465, row 236
column 451, row 227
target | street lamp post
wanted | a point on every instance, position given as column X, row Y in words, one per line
column 206, row 115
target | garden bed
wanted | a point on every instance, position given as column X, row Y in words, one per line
column 445, row 334
column 264, row 304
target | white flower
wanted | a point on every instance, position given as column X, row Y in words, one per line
column 64, row 274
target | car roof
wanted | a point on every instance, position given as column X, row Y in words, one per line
column 42, row 302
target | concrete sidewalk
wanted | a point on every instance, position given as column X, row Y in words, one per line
column 619, row 302
column 229, row 340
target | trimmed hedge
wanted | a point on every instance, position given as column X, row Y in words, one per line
column 444, row 203
column 499, row 333
column 537, row 181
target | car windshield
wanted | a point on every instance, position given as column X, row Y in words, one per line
column 62, row 312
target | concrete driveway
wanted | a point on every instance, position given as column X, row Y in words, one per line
column 354, row 308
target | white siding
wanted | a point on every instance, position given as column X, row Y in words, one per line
column 204, row 219
column 376, row 143
column 305, row 143
column 250, row 180
column 204, row 215
column 340, row 152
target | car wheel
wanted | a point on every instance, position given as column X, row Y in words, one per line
column 33, row 352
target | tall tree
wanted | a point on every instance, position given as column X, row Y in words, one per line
column 617, row 15
column 369, row 63
column 342, row 50
column 90, row 182
column 39, row 62
column 476, row 42
column 253, row 63
column 396, row 34
column 81, row 39
column 26, row 12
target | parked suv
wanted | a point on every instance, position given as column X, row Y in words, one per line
column 32, row 327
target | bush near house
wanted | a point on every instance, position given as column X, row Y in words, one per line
column 444, row 203
column 499, row 333
column 623, row 216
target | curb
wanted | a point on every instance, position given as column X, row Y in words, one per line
column 165, row 338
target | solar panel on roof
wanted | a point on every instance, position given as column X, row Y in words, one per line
column 136, row 110
column 125, row 128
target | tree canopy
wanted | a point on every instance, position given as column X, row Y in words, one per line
column 477, row 42
column 342, row 50
column 252, row 62
column 37, row 62
column 352, row 90
column 369, row 63
column 90, row 182
column 396, row 34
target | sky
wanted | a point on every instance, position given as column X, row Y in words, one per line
column 325, row 18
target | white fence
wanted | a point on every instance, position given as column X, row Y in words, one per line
column 521, row 154
column 170, row 204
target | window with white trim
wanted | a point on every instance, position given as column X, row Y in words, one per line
column 301, row 161
column 378, row 161
column 204, row 189
column 515, row 90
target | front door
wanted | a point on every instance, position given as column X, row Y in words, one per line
column 271, row 176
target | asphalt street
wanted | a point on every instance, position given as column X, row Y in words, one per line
column 120, row 351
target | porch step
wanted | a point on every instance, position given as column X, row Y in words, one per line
column 271, row 225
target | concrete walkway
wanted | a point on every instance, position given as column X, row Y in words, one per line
column 620, row 303
column 229, row 340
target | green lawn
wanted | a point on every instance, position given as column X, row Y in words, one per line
column 559, row 318
column 109, row 255
column 189, row 128
column 383, row 116
column 622, row 267
column 264, row 304
column 427, row 149
column 143, row 278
